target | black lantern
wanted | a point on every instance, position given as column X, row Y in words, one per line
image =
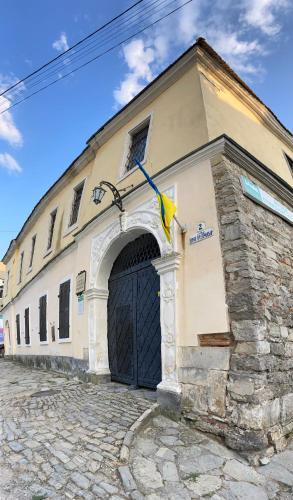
column 99, row 191
column 98, row 194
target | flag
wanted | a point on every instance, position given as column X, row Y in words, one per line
column 166, row 205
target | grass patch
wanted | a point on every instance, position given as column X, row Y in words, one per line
column 192, row 477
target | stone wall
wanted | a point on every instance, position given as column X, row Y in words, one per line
column 67, row 365
column 254, row 409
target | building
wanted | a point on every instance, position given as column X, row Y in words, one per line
column 100, row 292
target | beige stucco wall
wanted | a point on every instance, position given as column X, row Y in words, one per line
column 177, row 127
column 227, row 114
column 200, row 278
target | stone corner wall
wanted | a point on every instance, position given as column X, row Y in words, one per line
column 248, row 399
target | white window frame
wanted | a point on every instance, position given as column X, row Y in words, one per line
column 48, row 250
column 71, row 227
column 57, row 338
column 287, row 158
column 20, row 270
column 7, row 283
column 123, row 173
column 32, row 256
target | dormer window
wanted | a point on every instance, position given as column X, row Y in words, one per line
column 138, row 143
column 76, row 203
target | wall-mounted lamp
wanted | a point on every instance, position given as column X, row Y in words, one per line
column 99, row 192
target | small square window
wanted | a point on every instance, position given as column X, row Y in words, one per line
column 138, row 141
column 76, row 204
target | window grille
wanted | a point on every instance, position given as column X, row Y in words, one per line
column 32, row 250
column 137, row 147
column 290, row 163
column 51, row 228
column 76, row 204
column 20, row 266
column 142, row 249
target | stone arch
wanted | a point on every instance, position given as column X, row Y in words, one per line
column 106, row 246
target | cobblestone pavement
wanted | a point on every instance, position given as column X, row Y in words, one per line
column 61, row 439
column 169, row 460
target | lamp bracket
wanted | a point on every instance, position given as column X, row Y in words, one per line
column 117, row 198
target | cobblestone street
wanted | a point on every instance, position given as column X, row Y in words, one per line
column 63, row 439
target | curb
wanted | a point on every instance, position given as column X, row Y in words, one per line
column 134, row 429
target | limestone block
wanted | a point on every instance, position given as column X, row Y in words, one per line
column 257, row 417
column 287, row 408
column 242, row 387
column 258, row 347
column 284, row 331
column 217, row 392
column 217, row 358
column 194, row 398
column 193, row 376
column 248, row 330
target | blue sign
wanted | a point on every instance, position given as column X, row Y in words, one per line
column 265, row 199
column 201, row 234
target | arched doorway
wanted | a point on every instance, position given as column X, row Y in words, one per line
column 134, row 331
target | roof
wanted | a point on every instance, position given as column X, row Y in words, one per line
column 200, row 43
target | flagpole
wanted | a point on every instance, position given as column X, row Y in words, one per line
column 182, row 227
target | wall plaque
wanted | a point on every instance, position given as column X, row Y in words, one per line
column 201, row 234
column 255, row 193
column 80, row 283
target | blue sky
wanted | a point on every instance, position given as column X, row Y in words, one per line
column 40, row 138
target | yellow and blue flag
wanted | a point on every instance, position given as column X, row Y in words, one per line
column 167, row 207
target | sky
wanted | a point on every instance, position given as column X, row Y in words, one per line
column 40, row 137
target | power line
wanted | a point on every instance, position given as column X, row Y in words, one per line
column 61, row 77
column 72, row 47
column 96, row 44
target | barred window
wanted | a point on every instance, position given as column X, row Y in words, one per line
column 32, row 250
column 76, row 204
column 51, row 228
column 20, row 267
column 290, row 163
column 138, row 141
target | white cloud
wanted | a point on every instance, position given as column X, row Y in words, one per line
column 233, row 31
column 8, row 130
column 139, row 59
column 9, row 163
column 61, row 44
column 262, row 14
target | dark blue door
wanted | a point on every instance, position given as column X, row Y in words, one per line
column 134, row 333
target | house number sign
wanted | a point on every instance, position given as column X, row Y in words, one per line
column 201, row 234
column 80, row 282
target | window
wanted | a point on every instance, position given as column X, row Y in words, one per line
column 7, row 283
column 43, row 318
column 138, row 141
column 27, row 326
column 290, row 163
column 32, row 250
column 20, row 267
column 51, row 228
column 64, row 306
column 17, row 320
column 76, row 204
